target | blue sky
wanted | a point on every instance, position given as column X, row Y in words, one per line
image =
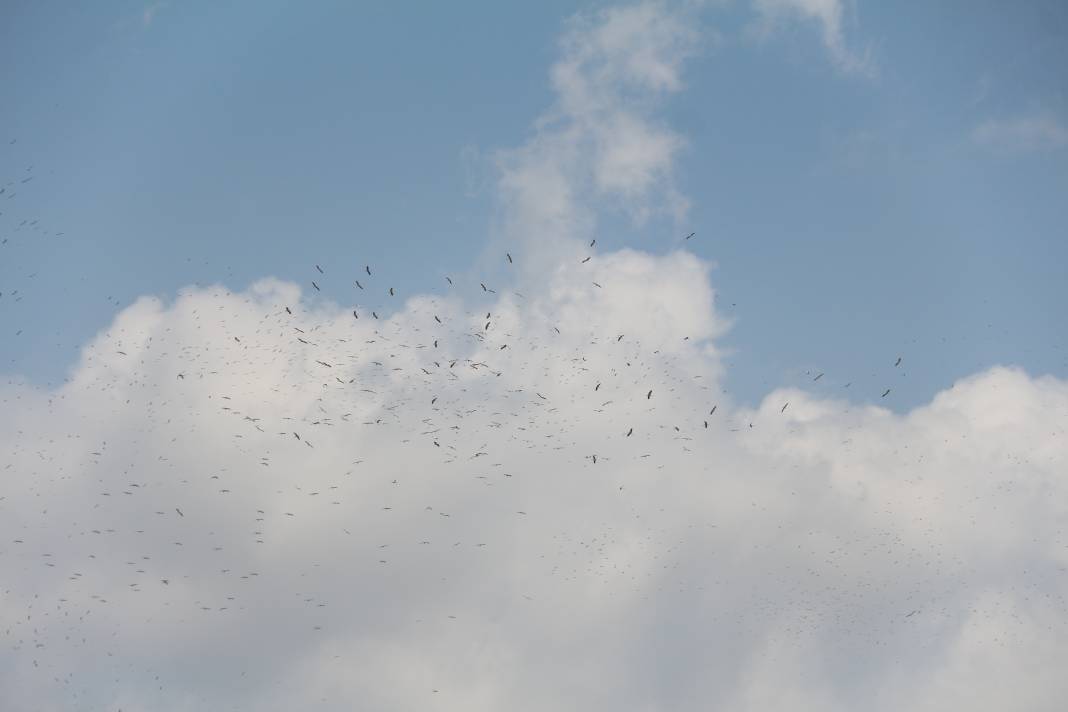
column 854, row 215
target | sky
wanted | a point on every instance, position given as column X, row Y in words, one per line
column 767, row 409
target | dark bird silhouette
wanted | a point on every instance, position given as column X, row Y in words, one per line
column 630, row 432
column 586, row 260
column 316, row 287
column 818, row 377
column 885, row 393
column 368, row 268
column 898, row 362
column 509, row 256
column 358, row 283
column 320, row 269
column 784, row 407
column 690, row 235
column 179, row 512
column 649, row 395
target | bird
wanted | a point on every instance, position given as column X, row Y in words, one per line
column 320, row 269
column 630, row 432
column 509, row 256
column 898, row 362
column 368, row 268
column 784, row 407
column 649, row 394
column 885, row 393
column 358, row 283
column 691, row 235
column 818, row 377
column 179, row 512
column 316, row 287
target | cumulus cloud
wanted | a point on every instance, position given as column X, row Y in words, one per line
column 367, row 517
column 1026, row 133
column 260, row 500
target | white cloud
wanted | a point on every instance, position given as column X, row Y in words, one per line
column 829, row 15
column 1029, row 133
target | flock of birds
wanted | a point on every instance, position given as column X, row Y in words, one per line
column 261, row 457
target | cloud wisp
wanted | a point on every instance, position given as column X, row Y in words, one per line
column 1024, row 133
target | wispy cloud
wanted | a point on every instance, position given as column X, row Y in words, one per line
column 830, row 16
column 1026, row 133
column 600, row 144
column 150, row 12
